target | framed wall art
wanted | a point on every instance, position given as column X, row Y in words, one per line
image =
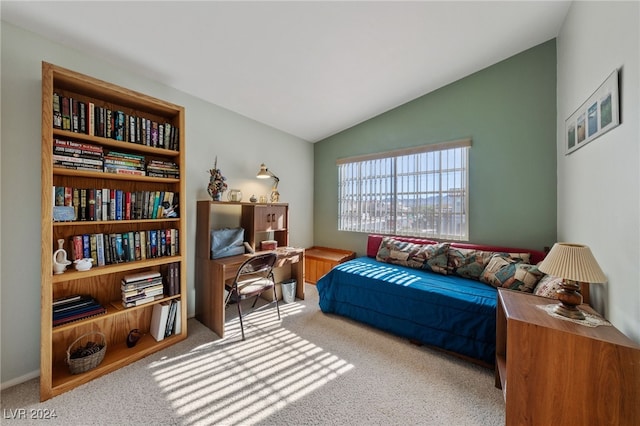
column 599, row 114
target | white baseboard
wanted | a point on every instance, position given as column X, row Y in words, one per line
column 18, row 380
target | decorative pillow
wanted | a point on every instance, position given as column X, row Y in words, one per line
column 468, row 263
column 528, row 276
column 548, row 286
column 430, row 257
column 394, row 251
column 500, row 271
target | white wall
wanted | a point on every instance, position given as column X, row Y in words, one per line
column 599, row 184
column 240, row 144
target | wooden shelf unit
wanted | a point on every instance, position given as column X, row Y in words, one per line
column 556, row 372
column 103, row 282
column 264, row 220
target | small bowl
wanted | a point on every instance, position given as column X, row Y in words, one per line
column 83, row 264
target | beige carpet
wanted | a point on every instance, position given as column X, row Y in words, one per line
column 310, row 368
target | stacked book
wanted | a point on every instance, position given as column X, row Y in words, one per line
column 78, row 156
column 124, row 163
column 74, row 308
column 143, row 287
column 166, row 169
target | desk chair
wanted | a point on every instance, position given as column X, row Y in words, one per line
column 254, row 277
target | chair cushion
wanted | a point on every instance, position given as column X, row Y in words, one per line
column 254, row 286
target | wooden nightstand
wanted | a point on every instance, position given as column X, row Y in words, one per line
column 556, row 372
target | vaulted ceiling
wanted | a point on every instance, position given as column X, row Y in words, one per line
column 310, row 69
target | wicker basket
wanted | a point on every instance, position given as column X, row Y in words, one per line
column 86, row 363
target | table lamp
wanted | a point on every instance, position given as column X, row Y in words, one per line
column 575, row 264
column 265, row 173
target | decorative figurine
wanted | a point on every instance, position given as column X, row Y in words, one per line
column 60, row 261
column 217, row 182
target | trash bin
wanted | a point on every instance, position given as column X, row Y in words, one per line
column 288, row 291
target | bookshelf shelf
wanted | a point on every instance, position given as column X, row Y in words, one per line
column 114, row 222
column 115, row 358
column 161, row 143
column 61, row 171
column 97, row 271
column 115, row 144
column 114, row 308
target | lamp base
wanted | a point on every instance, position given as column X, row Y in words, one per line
column 568, row 311
column 569, row 297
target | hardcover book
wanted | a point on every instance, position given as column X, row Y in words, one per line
column 75, row 115
column 100, row 249
column 119, row 249
column 57, row 111
column 131, row 242
column 66, row 114
column 82, row 117
column 86, row 246
column 159, row 318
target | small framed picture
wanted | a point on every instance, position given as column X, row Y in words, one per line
column 599, row 114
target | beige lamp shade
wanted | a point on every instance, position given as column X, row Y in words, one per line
column 263, row 173
column 572, row 262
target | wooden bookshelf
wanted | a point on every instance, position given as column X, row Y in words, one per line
column 103, row 282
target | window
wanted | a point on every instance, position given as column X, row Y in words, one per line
column 419, row 191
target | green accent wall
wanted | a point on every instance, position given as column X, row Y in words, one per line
column 509, row 111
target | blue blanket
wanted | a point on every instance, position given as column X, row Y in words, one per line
column 454, row 313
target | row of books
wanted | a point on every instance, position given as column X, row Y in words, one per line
column 86, row 117
column 74, row 308
column 166, row 319
column 108, row 249
column 83, row 156
column 93, row 204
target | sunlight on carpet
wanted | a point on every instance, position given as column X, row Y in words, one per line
column 235, row 381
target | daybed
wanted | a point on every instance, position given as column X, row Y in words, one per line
column 434, row 293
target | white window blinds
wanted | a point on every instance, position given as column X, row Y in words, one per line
column 420, row 191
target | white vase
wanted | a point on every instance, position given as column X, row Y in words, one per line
column 60, row 261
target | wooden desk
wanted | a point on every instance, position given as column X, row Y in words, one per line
column 212, row 274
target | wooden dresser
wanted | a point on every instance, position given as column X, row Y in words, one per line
column 557, row 372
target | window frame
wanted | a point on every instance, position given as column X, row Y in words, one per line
column 383, row 184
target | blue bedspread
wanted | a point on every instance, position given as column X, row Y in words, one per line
column 454, row 313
